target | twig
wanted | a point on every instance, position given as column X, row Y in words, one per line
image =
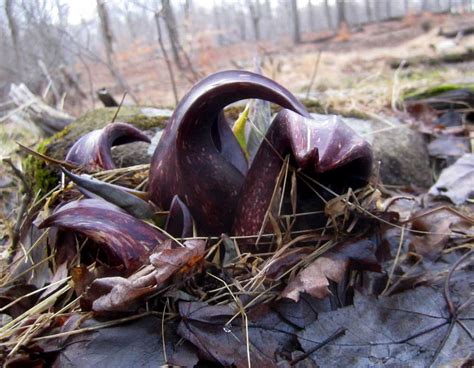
column 453, row 312
column 163, row 334
column 447, row 292
column 315, row 72
column 395, row 261
column 119, row 107
column 26, row 198
column 339, row 332
column 18, row 173
column 48, row 159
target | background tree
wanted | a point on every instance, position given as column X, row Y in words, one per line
column 255, row 16
column 108, row 39
column 296, row 22
column 368, row 11
column 341, row 13
column 173, row 35
column 14, row 33
column 327, row 11
column 312, row 25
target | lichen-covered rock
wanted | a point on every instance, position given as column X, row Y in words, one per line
column 148, row 119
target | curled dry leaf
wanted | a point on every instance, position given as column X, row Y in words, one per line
column 439, row 226
column 93, row 150
column 125, row 239
column 120, row 294
column 332, row 265
column 456, row 181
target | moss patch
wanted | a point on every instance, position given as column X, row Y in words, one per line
column 436, row 91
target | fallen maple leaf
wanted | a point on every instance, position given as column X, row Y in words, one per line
column 402, row 330
column 206, row 327
column 134, row 344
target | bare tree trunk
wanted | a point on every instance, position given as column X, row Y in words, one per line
column 105, row 28
column 268, row 10
column 129, row 21
column 14, row 34
column 406, row 7
column 327, row 11
column 378, row 16
column 341, row 13
column 424, row 5
column 312, row 25
column 242, row 25
column 187, row 9
column 167, row 60
column 173, row 35
column 388, row 8
column 296, row 22
column 62, row 13
column 217, row 19
column 109, row 50
column 368, row 11
column 255, row 15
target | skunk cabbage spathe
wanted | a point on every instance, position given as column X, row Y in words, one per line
column 199, row 159
column 200, row 174
column 93, row 150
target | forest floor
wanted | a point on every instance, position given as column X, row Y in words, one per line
column 352, row 66
column 388, row 282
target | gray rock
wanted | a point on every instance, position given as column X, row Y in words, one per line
column 400, row 150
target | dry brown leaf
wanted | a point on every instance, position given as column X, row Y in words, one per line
column 314, row 279
column 121, row 294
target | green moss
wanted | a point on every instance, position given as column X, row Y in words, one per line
column 316, row 107
column 436, row 91
column 313, row 106
column 44, row 177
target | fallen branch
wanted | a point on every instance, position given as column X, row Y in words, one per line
column 33, row 108
column 452, row 33
column 453, row 58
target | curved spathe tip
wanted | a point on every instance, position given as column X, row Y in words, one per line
column 93, row 150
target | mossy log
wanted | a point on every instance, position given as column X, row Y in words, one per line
column 445, row 96
column 452, row 58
